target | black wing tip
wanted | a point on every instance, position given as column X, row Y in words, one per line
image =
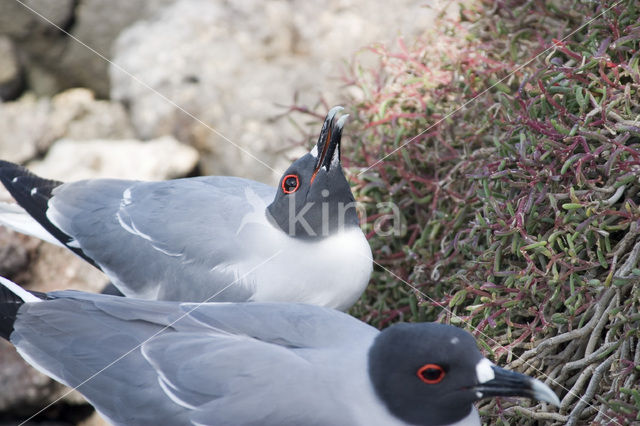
column 8, row 165
column 29, row 190
column 9, row 305
column 33, row 193
column 10, row 171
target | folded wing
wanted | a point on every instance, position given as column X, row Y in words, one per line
column 141, row 361
column 173, row 240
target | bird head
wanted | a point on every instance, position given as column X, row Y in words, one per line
column 430, row 374
column 313, row 198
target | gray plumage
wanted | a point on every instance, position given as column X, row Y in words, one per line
column 142, row 253
column 201, row 369
column 149, row 362
column 210, row 238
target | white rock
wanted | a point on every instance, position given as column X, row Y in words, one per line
column 24, row 128
column 231, row 64
column 28, row 126
column 76, row 114
column 162, row 158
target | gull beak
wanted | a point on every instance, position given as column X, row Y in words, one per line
column 327, row 150
column 510, row 383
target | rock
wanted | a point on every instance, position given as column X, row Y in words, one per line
column 76, row 114
column 41, row 80
column 98, row 24
column 37, row 39
column 26, row 391
column 16, row 250
column 28, row 388
column 56, row 268
column 63, row 62
column 94, row 420
column 28, row 126
column 14, row 255
column 24, row 128
column 22, row 22
column 230, row 64
column 44, row 267
column 162, row 158
column 11, row 77
column 193, row 67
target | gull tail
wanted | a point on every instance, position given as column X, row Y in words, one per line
column 32, row 193
column 12, row 296
column 15, row 217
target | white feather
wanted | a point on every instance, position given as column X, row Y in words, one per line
column 19, row 291
column 335, row 275
column 16, row 218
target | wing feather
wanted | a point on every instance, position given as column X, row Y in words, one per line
column 139, row 361
column 152, row 238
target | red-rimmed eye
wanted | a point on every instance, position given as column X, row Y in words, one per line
column 431, row 373
column 290, row 183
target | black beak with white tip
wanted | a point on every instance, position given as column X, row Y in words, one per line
column 328, row 141
column 333, row 152
column 511, row 383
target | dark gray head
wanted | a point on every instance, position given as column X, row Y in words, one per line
column 430, row 374
column 314, row 199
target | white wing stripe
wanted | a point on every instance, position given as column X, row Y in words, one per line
column 135, row 231
column 19, row 291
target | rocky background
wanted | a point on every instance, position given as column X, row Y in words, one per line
column 158, row 89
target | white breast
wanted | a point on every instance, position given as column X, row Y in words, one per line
column 331, row 272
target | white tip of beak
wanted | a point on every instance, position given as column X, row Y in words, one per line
column 543, row 392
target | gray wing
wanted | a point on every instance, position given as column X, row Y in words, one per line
column 218, row 364
column 288, row 324
column 242, row 381
column 273, row 365
column 152, row 237
column 75, row 342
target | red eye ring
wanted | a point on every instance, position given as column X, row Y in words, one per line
column 286, row 188
column 422, row 373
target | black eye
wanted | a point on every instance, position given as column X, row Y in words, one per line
column 431, row 373
column 290, row 184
